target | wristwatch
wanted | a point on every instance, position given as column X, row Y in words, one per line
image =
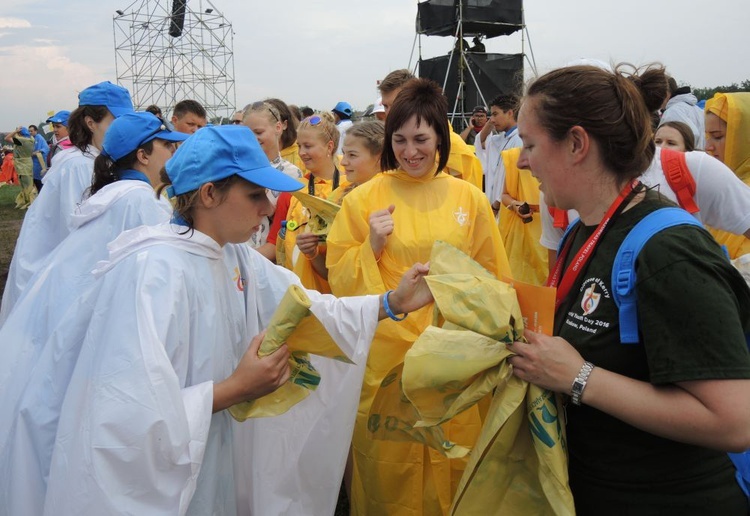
column 576, row 391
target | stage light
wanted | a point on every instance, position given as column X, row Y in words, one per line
column 209, row 11
column 120, row 12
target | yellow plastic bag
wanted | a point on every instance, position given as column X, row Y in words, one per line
column 322, row 213
column 293, row 324
column 519, row 464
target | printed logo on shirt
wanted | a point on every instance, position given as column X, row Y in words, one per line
column 239, row 280
column 593, row 291
column 590, row 300
column 461, row 216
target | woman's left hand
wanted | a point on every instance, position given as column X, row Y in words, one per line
column 307, row 244
column 549, row 362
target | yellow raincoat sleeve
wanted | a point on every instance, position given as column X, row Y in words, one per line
column 528, row 259
column 734, row 109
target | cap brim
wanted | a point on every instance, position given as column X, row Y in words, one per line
column 170, row 136
column 269, row 177
column 118, row 111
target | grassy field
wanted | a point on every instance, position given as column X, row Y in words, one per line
column 10, row 225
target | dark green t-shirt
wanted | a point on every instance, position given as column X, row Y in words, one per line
column 693, row 307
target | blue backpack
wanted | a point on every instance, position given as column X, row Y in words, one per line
column 624, row 295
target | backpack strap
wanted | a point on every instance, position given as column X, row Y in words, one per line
column 679, row 178
column 623, row 269
column 566, row 234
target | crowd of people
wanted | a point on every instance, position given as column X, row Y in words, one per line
column 154, row 254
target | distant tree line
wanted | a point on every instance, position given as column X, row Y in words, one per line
column 707, row 93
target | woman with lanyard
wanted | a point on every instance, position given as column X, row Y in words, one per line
column 36, row 368
column 317, row 138
column 46, row 223
column 144, row 427
column 383, row 225
column 264, row 120
column 648, row 424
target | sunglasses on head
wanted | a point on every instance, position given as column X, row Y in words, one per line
column 314, row 120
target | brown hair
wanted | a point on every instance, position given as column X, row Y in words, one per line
column 184, row 107
column 685, row 131
column 424, row 99
column 289, row 135
column 78, row 131
column 184, row 204
column 269, row 111
column 614, row 108
column 395, row 80
column 371, row 132
column 107, row 171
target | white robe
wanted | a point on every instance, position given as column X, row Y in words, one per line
column 136, row 434
column 35, row 369
column 47, row 220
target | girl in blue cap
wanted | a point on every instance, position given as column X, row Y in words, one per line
column 46, row 223
column 166, row 329
column 36, row 368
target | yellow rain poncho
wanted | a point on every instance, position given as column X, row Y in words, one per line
column 734, row 109
column 407, row 478
column 297, row 219
column 463, row 163
column 528, row 259
column 291, row 154
column 23, row 148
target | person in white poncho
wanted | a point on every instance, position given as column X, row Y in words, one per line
column 36, row 369
column 46, row 223
column 143, row 428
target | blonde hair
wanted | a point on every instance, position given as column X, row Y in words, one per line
column 326, row 127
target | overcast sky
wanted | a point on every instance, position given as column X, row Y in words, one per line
column 318, row 53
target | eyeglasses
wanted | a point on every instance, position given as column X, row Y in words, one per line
column 264, row 105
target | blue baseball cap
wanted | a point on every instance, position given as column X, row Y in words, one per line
column 128, row 132
column 114, row 97
column 61, row 117
column 218, row 152
column 24, row 131
column 343, row 108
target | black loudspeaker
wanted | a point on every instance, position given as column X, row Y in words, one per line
column 495, row 74
column 177, row 21
column 490, row 18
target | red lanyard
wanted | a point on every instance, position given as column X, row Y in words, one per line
column 564, row 282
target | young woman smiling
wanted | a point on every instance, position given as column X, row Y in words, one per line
column 383, row 225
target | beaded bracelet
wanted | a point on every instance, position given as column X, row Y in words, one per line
column 388, row 310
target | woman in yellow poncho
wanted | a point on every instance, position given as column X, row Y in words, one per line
column 728, row 140
column 363, row 145
column 384, row 225
column 317, row 138
column 528, row 259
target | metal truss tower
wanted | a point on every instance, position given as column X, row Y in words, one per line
column 163, row 69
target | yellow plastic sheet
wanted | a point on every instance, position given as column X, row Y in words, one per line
column 292, row 323
column 322, row 213
column 519, row 463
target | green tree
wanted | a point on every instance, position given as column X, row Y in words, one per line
column 707, row 93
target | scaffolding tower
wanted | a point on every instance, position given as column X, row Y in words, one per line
column 195, row 62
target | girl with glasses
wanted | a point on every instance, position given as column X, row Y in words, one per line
column 317, row 137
